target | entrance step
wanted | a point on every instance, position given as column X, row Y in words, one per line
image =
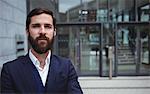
column 118, row 85
column 125, row 56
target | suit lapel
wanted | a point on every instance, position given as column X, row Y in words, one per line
column 51, row 78
column 56, row 80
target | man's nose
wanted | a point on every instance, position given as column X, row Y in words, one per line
column 42, row 29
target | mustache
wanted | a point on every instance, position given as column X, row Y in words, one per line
column 42, row 37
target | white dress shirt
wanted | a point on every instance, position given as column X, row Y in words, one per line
column 43, row 72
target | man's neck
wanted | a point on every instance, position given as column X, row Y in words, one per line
column 40, row 57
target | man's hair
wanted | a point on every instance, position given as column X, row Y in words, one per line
column 38, row 11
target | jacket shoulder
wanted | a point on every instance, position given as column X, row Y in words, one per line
column 61, row 62
column 16, row 61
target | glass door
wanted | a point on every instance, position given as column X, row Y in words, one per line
column 132, row 48
column 89, row 50
column 126, row 49
column 92, row 46
column 82, row 45
column 144, row 64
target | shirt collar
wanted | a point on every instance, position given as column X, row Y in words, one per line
column 36, row 61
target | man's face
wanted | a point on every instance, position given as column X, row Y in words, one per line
column 41, row 33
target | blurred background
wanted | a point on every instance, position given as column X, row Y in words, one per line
column 103, row 38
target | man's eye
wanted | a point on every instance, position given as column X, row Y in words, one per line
column 35, row 26
column 48, row 27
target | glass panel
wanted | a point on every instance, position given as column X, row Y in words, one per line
column 145, row 13
column 133, row 49
column 108, row 51
column 68, row 43
column 145, row 52
column 89, row 43
column 81, row 44
column 126, row 42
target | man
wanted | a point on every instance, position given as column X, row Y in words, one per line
column 40, row 72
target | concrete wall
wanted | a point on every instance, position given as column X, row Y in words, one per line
column 12, row 24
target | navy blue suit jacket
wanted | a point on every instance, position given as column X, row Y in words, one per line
column 17, row 76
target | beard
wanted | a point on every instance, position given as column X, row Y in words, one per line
column 41, row 44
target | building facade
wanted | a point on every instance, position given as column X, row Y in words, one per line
column 111, row 32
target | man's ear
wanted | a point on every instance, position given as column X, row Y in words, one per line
column 55, row 32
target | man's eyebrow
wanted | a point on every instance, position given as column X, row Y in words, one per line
column 48, row 24
column 40, row 24
column 35, row 24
